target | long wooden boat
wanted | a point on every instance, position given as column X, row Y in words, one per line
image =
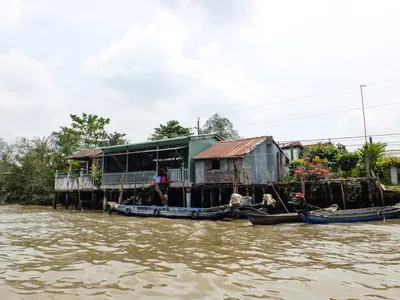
column 323, row 216
column 168, row 212
column 271, row 219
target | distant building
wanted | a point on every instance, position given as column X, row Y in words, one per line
column 393, row 169
column 292, row 150
column 247, row 161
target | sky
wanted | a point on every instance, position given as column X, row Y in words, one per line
column 268, row 66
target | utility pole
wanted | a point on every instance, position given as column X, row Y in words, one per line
column 365, row 133
column 198, row 126
column 367, row 168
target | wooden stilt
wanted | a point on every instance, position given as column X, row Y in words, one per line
column 330, row 193
column 121, row 192
column 211, row 198
column 220, row 196
column 104, row 200
column 202, row 198
column 343, row 195
column 134, row 190
column 380, row 190
column 253, row 200
column 66, row 200
column 55, row 201
column 79, row 204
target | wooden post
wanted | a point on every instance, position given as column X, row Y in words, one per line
column 211, row 198
column 343, row 196
column 79, row 194
column 104, row 200
column 134, row 190
column 330, row 192
column 93, row 200
column 121, row 192
column 66, row 200
column 303, row 184
column 380, row 190
column 253, row 200
column 220, row 196
column 235, row 181
column 202, row 198
column 55, row 201
column 183, row 184
column 247, row 191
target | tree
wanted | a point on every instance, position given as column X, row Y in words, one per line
column 311, row 169
column 116, row 138
column 375, row 153
column 221, row 126
column 347, row 161
column 171, row 130
column 84, row 132
column 33, row 168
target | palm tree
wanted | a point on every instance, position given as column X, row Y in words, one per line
column 375, row 152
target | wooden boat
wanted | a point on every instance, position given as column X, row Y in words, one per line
column 168, row 212
column 271, row 219
column 323, row 216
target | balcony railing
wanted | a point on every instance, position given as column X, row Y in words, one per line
column 130, row 177
column 176, row 175
column 70, row 183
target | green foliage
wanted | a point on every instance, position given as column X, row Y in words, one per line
column 221, row 126
column 86, row 131
column 33, row 168
column 171, row 130
column 385, row 162
column 116, row 138
column 96, row 174
column 326, row 151
column 311, row 169
column 346, row 161
column 375, row 153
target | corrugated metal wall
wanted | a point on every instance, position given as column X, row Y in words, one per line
column 199, row 172
column 266, row 154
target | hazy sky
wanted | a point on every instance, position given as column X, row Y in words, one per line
column 142, row 63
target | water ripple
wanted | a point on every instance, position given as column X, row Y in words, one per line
column 47, row 254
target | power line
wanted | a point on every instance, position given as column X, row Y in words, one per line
column 316, row 115
column 316, row 95
column 344, row 138
column 295, row 99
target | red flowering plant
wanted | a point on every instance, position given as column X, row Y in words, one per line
column 312, row 169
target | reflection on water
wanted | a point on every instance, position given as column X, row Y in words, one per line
column 46, row 254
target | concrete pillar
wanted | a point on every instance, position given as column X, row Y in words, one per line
column 104, row 201
column 393, row 175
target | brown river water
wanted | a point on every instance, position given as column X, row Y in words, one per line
column 47, row 254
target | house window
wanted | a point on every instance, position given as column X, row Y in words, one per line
column 215, row 164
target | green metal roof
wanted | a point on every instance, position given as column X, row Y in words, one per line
column 166, row 142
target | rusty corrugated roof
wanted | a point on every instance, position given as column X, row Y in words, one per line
column 230, row 148
column 288, row 145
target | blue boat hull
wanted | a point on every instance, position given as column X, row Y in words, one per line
column 351, row 216
column 168, row 212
